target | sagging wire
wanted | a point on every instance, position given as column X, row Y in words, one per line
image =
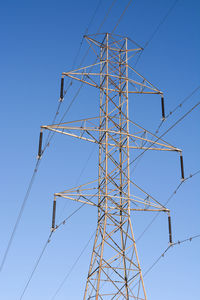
column 157, row 29
column 169, row 129
column 40, row 153
column 72, row 267
column 162, row 255
column 120, row 18
column 51, row 233
column 165, row 251
column 168, row 200
column 179, row 106
column 36, row 265
column 50, row 136
column 19, row 215
column 53, row 230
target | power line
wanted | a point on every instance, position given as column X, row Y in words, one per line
column 157, row 29
column 75, row 211
column 81, row 173
column 146, row 272
column 120, row 18
column 179, row 120
column 19, row 215
column 50, row 134
column 154, row 218
column 36, row 265
column 166, row 250
column 71, row 81
column 61, row 119
column 49, row 137
column 81, row 43
column 72, row 267
column 179, row 106
column 45, row 246
column 169, row 247
column 62, row 223
column 186, row 240
column 169, row 199
column 43, row 251
column 161, row 23
column 106, row 15
column 170, row 128
column 154, row 142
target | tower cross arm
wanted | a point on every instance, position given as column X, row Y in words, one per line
column 143, row 141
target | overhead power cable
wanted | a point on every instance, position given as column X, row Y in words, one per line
column 81, row 43
column 167, row 249
column 72, row 267
column 49, row 137
column 36, row 265
column 145, row 150
column 161, row 23
column 19, row 215
column 39, row 259
column 169, row 129
column 179, row 106
column 157, row 29
column 51, row 134
column 120, row 18
column 71, row 81
column 46, row 243
column 172, row 195
column 43, row 251
column 81, row 173
column 168, row 200
column 62, row 223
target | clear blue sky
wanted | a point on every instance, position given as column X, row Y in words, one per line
column 39, row 40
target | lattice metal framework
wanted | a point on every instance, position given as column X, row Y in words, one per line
column 114, row 271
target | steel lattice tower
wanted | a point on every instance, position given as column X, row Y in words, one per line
column 114, row 271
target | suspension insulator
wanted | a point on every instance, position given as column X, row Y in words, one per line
column 62, row 89
column 182, row 168
column 40, row 145
column 54, row 215
column 170, row 229
column 163, row 107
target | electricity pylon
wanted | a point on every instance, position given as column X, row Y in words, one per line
column 114, row 271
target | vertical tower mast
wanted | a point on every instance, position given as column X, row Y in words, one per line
column 114, row 271
column 114, row 261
